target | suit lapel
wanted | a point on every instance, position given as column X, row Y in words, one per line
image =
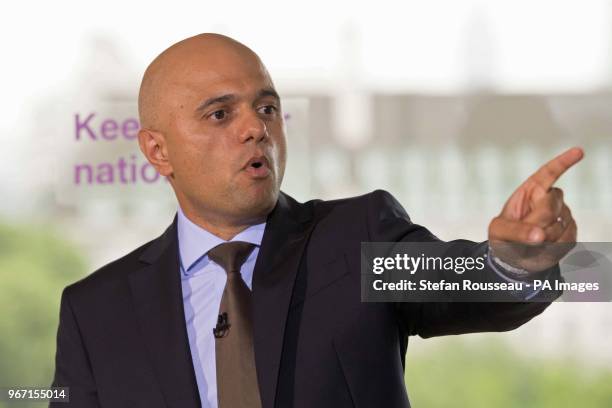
column 287, row 232
column 157, row 296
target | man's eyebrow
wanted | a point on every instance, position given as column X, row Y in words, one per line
column 215, row 99
column 268, row 92
column 231, row 97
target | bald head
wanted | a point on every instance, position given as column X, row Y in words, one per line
column 212, row 123
column 205, row 54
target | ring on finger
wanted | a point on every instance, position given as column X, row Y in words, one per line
column 562, row 221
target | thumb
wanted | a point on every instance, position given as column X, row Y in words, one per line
column 503, row 229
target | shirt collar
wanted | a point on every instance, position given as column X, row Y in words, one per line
column 195, row 241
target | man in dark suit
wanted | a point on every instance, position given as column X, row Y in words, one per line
column 249, row 298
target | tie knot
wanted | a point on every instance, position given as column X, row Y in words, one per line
column 231, row 255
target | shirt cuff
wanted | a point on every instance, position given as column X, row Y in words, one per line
column 510, row 276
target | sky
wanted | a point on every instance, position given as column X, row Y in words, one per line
column 332, row 47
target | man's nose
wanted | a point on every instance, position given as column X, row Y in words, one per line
column 253, row 128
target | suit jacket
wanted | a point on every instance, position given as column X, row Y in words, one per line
column 122, row 339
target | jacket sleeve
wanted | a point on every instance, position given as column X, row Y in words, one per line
column 389, row 222
column 72, row 365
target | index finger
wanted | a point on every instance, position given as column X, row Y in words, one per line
column 546, row 175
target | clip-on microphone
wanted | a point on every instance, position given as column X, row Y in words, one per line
column 222, row 327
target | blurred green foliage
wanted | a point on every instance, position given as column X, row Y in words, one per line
column 35, row 265
column 484, row 374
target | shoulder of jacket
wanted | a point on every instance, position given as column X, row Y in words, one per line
column 110, row 272
column 363, row 199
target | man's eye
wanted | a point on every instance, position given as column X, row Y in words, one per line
column 268, row 109
column 219, row 115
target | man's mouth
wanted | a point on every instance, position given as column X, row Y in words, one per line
column 258, row 167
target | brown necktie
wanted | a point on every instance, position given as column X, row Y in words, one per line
column 236, row 376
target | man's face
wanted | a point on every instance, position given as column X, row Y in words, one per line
column 225, row 137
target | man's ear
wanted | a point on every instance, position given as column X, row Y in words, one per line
column 153, row 146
